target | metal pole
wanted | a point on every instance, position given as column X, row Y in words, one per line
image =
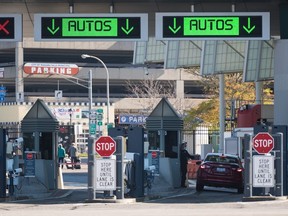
column 70, row 126
column 222, row 112
column 108, row 98
column 108, row 85
column 90, row 96
column 91, row 191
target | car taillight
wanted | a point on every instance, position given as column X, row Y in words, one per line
column 239, row 170
column 204, row 166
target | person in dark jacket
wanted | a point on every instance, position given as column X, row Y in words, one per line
column 184, row 157
column 73, row 154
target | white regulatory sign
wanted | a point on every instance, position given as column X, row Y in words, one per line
column 263, row 171
column 58, row 94
column 105, row 174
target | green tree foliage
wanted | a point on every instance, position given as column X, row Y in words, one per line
column 237, row 93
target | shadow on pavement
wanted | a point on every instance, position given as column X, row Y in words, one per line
column 176, row 196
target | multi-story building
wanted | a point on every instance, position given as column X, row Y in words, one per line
column 128, row 63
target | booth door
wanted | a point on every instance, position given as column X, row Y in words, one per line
column 171, row 144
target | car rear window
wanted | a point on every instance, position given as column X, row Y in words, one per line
column 222, row 159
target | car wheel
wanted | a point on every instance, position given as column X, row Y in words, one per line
column 199, row 186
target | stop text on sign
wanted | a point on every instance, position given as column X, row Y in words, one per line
column 57, row 27
column 263, row 143
column 213, row 26
column 104, row 146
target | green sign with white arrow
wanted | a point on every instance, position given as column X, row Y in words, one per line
column 213, row 26
column 57, row 27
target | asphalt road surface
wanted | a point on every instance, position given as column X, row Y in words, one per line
column 266, row 208
column 182, row 202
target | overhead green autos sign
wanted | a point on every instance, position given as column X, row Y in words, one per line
column 206, row 26
column 52, row 27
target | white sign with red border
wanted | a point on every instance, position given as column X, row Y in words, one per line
column 263, row 143
column 50, row 69
column 105, row 146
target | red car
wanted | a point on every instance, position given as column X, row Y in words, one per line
column 220, row 170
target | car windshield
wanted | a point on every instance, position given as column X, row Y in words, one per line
column 220, row 158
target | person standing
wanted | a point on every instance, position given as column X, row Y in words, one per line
column 61, row 155
column 184, row 157
column 73, row 154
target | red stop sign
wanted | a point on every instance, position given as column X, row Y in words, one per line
column 105, row 146
column 263, row 143
column 154, row 154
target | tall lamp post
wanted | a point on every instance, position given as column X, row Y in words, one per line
column 91, row 192
column 84, row 56
column 70, row 111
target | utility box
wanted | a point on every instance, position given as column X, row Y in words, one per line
column 248, row 115
column 231, row 146
column 251, row 114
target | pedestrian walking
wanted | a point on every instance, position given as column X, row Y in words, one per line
column 61, row 155
column 73, row 154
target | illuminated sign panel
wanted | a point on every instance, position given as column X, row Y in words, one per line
column 89, row 27
column 213, row 26
column 10, row 27
column 86, row 27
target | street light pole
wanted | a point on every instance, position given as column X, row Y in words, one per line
column 84, row 56
column 91, row 192
column 91, row 186
column 70, row 126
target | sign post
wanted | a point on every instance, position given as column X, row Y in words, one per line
column 81, row 27
column 105, row 146
column 213, row 26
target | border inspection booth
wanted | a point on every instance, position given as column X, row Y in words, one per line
column 164, row 126
column 40, row 134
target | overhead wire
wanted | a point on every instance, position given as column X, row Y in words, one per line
column 28, row 11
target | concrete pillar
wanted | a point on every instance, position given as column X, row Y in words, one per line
column 19, row 81
column 222, row 112
column 179, row 89
column 280, row 82
column 258, row 92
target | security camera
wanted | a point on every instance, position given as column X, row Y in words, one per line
column 17, row 170
column 19, row 140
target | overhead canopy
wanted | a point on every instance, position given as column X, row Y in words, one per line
column 39, row 118
column 253, row 58
column 164, row 117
